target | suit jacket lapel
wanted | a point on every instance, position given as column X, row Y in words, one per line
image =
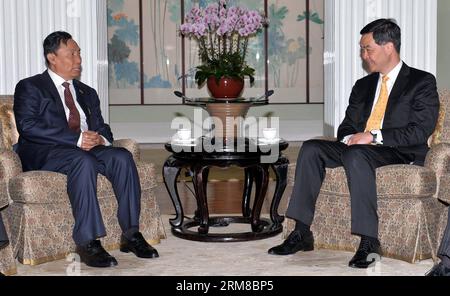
column 81, row 99
column 371, row 91
column 397, row 90
column 50, row 86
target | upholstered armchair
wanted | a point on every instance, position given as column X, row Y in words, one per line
column 411, row 210
column 7, row 262
column 40, row 217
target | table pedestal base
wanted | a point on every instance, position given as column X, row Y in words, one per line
column 266, row 229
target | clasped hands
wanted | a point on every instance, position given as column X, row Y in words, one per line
column 91, row 139
column 360, row 139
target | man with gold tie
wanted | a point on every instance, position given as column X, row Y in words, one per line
column 391, row 114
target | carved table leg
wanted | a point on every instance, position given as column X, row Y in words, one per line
column 280, row 168
column 200, row 182
column 262, row 181
column 248, row 183
column 171, row 171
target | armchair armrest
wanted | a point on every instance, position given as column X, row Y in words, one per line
column 438, row 159
column 130, row 145
column 10, row 166
column 444, row 189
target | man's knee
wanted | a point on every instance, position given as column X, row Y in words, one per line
column 85, row 160
column 354, row 154
column 123, row 156
column 312, row 147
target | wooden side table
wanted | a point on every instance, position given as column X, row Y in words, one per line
column 246, row 154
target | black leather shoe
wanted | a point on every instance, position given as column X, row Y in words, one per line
column 439, row 270
column 94, row 255
column 362, row 259
column 138, row 245
column 295, row 242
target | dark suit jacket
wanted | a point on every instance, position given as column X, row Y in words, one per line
column 41, row 120
column 411, row 113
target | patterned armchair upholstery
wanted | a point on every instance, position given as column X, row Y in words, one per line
column 7, row 262
column 40, row 217
column 411, row 202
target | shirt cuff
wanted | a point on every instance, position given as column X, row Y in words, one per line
column 379, row 137
column 346, row 139
column 107, row 143
column 80, row 140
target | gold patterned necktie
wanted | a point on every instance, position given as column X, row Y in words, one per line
column 374, row 122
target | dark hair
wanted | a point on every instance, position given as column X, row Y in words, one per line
column 53, row 41
column 384, row 31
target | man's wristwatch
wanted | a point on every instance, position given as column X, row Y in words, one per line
column 374, row 137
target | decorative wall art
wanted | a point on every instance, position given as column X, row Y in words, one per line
column 146, row 60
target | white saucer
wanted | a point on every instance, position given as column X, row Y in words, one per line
column 187, row 142
column 269, row 141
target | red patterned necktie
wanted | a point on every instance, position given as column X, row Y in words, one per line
column 74, row 115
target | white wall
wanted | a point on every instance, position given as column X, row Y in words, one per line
column 25, row 23
column 344, row 19
column 443, row 67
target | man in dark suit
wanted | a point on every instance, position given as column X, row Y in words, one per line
column 3, row 237
column 391, row 114
column 443, row 268
column 62, row 130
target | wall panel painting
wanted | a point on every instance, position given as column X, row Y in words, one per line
column 146, row 60
column 291, row 71
column 162, row 51
column 124, row 52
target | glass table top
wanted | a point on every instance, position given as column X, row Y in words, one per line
column 203, row 101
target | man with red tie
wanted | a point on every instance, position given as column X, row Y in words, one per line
column 62, row 130
column 391, row 114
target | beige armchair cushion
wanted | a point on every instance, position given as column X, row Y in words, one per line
column 395, row 181
column 49, row 187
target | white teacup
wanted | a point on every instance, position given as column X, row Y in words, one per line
column 184, row 134
column 269, row 133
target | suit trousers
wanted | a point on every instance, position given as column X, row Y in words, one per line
column 359, row 162
column 3, row 235
column 444, row 249
column 82, row 168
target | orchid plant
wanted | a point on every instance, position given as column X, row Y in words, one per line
column 222, row 34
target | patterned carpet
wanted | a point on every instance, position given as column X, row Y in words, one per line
column 180, row 257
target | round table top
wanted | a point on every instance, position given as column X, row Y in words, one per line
column 230, row 149
column 203, row 102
